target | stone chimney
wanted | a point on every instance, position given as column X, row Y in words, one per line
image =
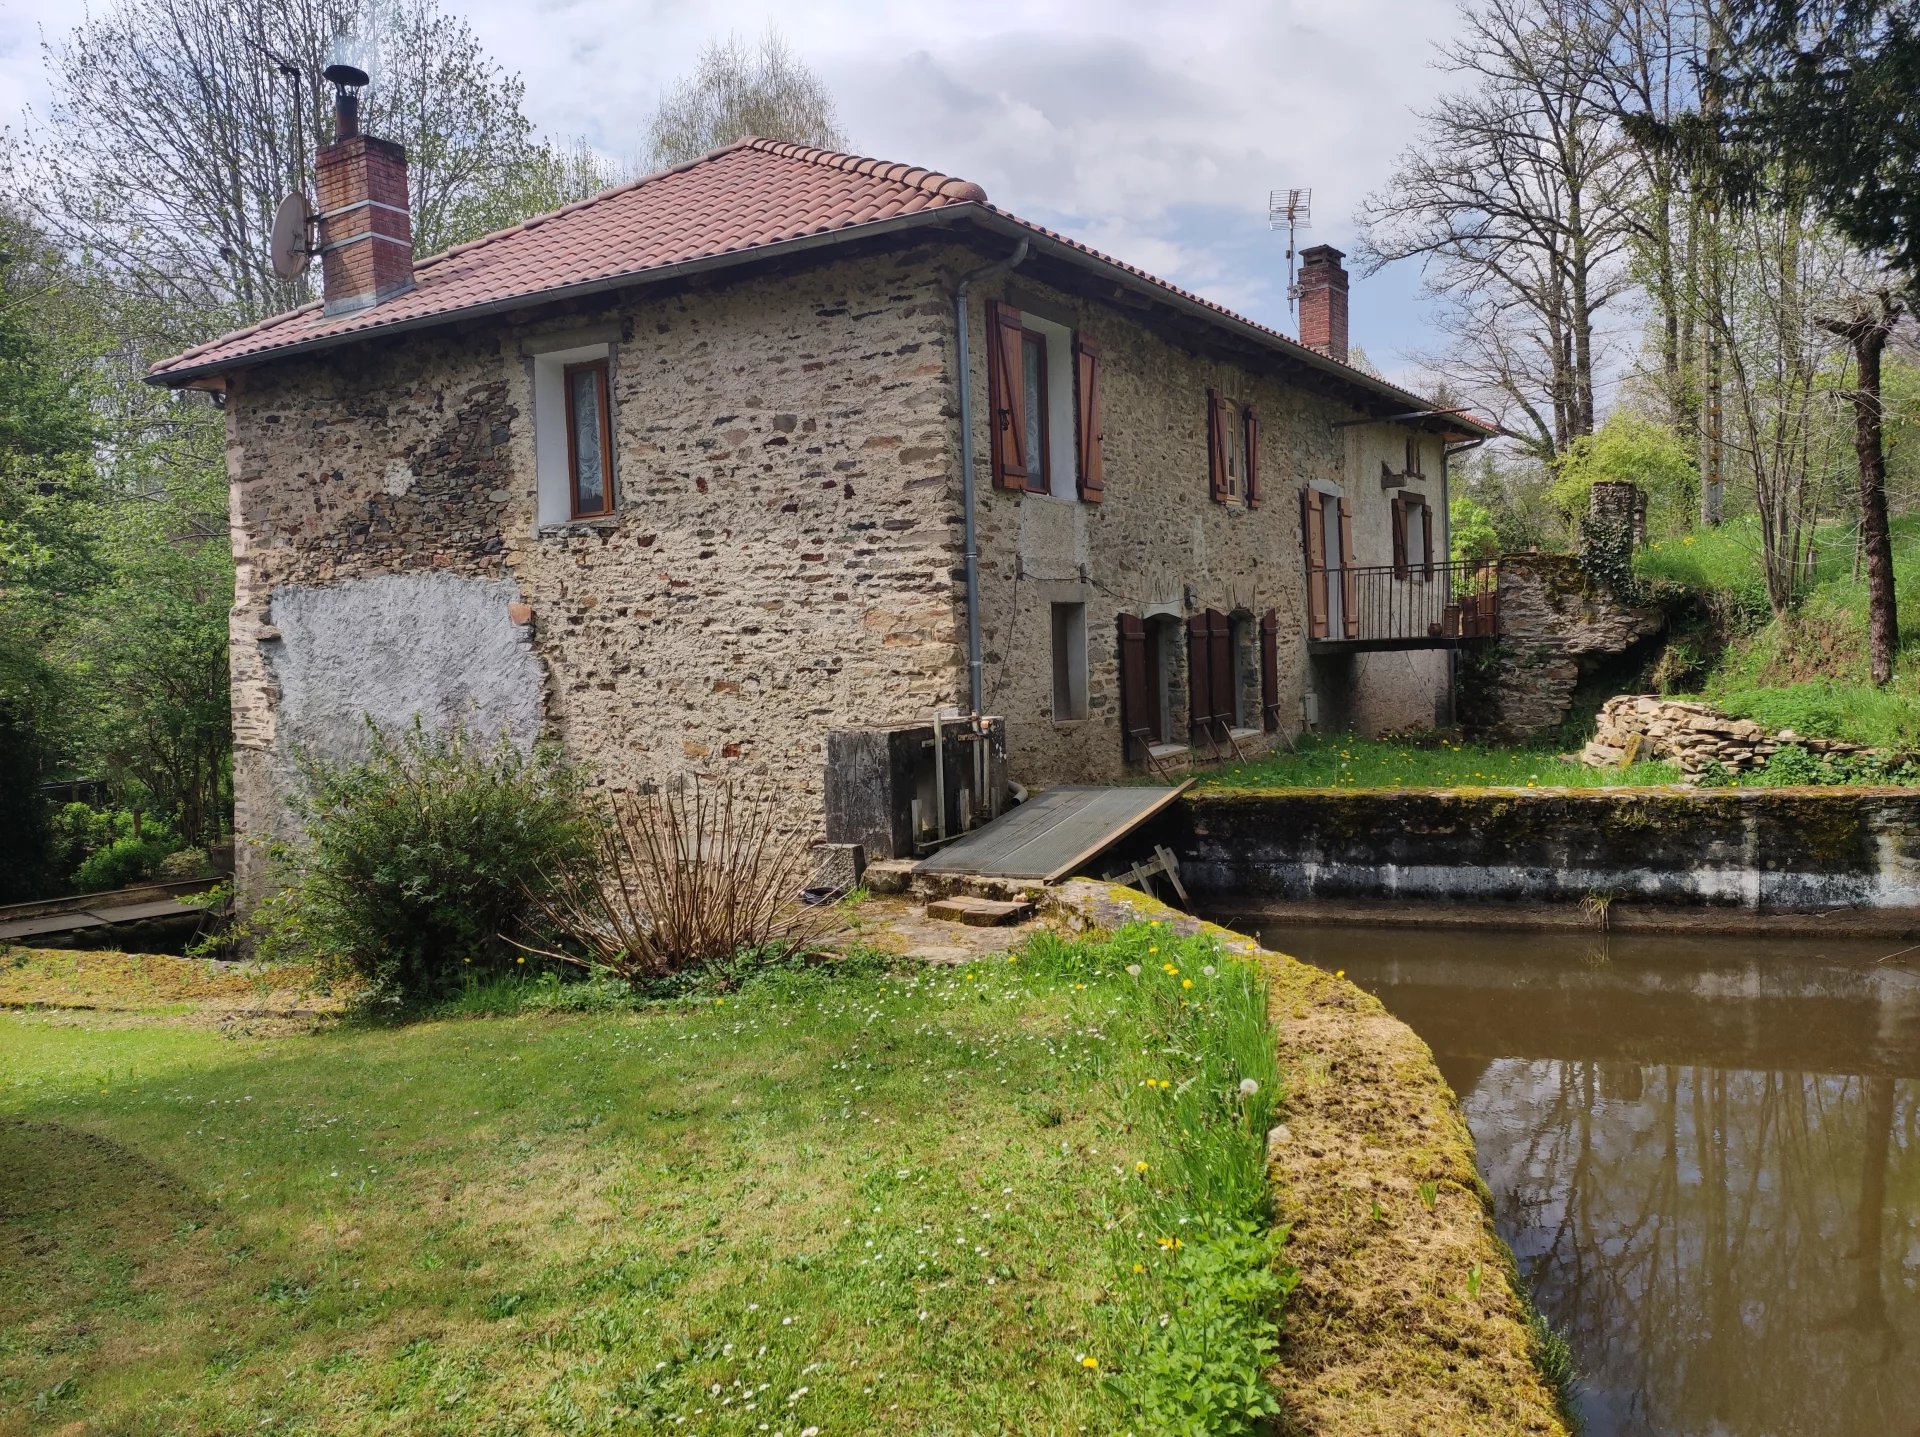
column 1323, row 301
column 366, row 226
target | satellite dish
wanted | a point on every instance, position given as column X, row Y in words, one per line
column 291, row 223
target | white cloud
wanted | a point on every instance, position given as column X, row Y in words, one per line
column 1150, row 130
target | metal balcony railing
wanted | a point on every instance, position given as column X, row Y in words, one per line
column 1419, row 606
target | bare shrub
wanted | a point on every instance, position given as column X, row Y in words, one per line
column 685, row 880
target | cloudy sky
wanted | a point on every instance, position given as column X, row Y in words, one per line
column 1152, row 131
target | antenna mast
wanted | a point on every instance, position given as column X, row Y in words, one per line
column 1291, row 210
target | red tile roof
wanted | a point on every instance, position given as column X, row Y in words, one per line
column 751, row 196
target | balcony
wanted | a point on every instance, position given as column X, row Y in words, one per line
column 1371, row 608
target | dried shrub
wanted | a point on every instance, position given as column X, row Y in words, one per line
column 683, row 880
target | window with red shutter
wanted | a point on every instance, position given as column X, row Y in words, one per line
column 1270, row 670
column 1089, row 430
column 1137, row 721
column 1399, row 536
column 1199, row 677
column 1007, row 392
column 1217, row 488
column 1252, row 422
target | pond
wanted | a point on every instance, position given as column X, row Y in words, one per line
column 1704, row 1152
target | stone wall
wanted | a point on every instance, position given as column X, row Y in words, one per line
column 1555, row 622
column 782, row 561
column 1159, row 546
column 1640, row 727
column 1765, row 850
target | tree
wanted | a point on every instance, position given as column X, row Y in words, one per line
column 178, row 125
column 1631, row 450
column 1816, row 97
column 1514, row 201
column 1866, row 326
column 742, row 89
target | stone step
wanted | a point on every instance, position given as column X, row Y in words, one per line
column 980, row 912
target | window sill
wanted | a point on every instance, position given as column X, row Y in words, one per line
column 1059, row 722
column 1164, row 751
column 1245, row 735
column 563, row 528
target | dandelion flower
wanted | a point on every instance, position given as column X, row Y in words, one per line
column 1013, row 957
column 1248, row 1087
column 1092, row 1364
column 1139, row 1267
column 1186, row 982
column 1133, row 970
column 1209, row 970
column 1139, row 1167
column 1339, row 972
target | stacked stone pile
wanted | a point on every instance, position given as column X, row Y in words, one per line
column 1635, row 727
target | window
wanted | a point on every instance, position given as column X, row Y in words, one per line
column 576, row 465
column 1412, row 537
column 1413, row 457
column 1033, row 365
column 1233, row 451
column 1069, row 661
column 589, row 440
column 1044, row 387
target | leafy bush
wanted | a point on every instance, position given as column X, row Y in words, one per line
column 124, row 862
column 1794, row 766
column 1630, row 450
column 684, row 880
column 1857, row 713
column 418, row 862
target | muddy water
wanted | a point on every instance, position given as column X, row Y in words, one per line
column 1705, row 1154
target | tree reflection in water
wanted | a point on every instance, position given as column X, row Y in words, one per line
column 1705, row 1154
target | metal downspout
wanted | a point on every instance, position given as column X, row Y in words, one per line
column 976, row 676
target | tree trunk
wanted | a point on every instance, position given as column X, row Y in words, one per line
column 1867, row 332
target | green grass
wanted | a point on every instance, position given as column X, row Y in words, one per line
column 859, row 1200
column 1808, row 671
column 1332, row 761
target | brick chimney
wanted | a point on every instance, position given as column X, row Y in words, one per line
column 366, row 227
column 1323, row 301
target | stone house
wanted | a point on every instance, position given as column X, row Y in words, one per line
column 783, row 441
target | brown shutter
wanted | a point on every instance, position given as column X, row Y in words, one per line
column 1253, row 458
column 1088, row 428
column 1220, row 670
column 1314, row 536
column 1399, row 537
column 1135, row 699
column 1426, row 539
column 1199, row 676
column 1007, row 391
column 1349, row 574
column 1216, row 448
column 1270, row 671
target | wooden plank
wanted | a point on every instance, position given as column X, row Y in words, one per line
column 1054, row 834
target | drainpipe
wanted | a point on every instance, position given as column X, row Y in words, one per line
column 1447, row 451
column 975, row 664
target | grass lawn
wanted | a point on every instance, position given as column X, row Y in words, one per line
column 850, row 1201
column 1333, row 761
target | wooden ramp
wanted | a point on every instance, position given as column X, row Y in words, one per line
column 1052, row 835
column 22, row 922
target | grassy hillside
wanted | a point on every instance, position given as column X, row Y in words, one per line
column 1809, row 671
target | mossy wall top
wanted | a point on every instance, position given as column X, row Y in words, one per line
column 1785, row 849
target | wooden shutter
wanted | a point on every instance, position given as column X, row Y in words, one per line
column 1220, row 670
column 1136, row 698
column 1216, row 448
column 1087, row 427
column 1313, row 537
column 1253, row 458
column 1426, row 540
column 1270, row 670
column 1349, row 575
column 1007, row 395
column 1399, row 537
column 1199, row 675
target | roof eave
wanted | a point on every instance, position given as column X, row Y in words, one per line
column 943, row 216
column 180, row 378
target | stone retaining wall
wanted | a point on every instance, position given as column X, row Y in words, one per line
column 1383, row 1334
column 1778, row 850
column 1638, row 727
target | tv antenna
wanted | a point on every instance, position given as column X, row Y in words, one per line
column 1291, row 210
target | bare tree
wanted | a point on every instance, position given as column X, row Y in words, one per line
column 177, row 126
column 1515, row 201
column 744, row 89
